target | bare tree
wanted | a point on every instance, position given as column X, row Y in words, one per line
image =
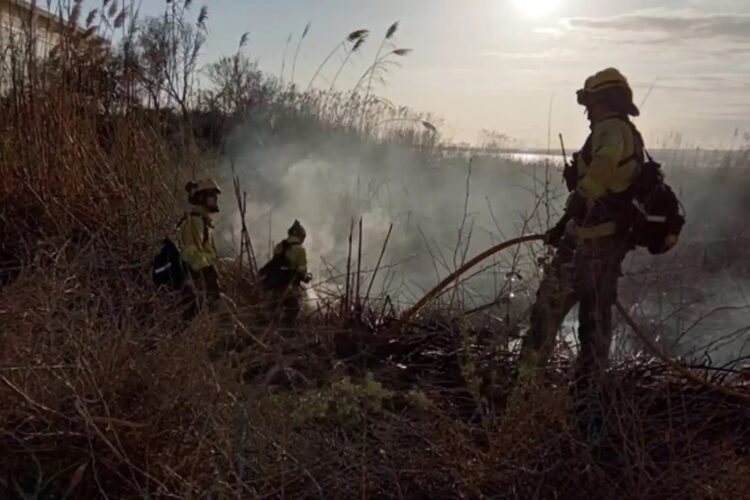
column 170, row 47
column 237, row 85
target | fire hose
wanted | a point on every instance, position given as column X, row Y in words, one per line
column 432, row 294
column 645, row 339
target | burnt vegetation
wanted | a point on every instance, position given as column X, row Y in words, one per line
column 107, row 393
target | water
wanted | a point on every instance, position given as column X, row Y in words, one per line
column 535, row 158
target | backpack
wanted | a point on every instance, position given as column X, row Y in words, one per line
column 277, row 274
column 656, row 212
column 168, row 268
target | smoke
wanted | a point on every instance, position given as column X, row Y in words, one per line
column 696, row 297
column 446, row 208
column 443, row 209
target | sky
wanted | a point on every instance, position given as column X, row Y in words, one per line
column 513, row 66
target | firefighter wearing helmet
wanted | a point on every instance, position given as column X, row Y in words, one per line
column 589, row 249
column 196, row 240
column 283, row 276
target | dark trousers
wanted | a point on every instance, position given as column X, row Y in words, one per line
column 286, row 304
column 204, row 291
column 584, row 273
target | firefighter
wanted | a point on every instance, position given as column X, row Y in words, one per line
column 196, row 242
column 285, row 273
column 589, row 240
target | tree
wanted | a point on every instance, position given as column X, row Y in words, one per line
column 169, row 48
column 238, row 85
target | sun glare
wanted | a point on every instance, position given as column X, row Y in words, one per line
column 535, row 9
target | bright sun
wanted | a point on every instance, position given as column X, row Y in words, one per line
column 536, row 8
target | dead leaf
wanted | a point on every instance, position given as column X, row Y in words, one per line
column 76, row 479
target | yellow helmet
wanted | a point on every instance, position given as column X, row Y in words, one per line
column 615, row 83
column 204, row 185
column 605, row 79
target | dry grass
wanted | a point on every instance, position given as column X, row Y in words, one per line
column 108, row 393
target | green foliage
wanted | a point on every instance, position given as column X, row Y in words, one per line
column 343, row 401
column 420, row 400
column 346, row 401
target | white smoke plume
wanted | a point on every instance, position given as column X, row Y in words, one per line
column 334, row 179
column 437, row 204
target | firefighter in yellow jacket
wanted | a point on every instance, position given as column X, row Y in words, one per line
column 589, row 239
column 196, row 240
column 285, row 272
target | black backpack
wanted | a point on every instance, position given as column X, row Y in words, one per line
column 656, row 212
column 277, row 273
column 168, row 268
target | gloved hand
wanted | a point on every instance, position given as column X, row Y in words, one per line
column 670, row 241
column 554, row 236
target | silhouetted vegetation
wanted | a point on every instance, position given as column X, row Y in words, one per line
column 107, row 392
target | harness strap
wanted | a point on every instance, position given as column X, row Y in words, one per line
column 205, row 225
column 627, row 160
column 595, row 232
column 639, row 146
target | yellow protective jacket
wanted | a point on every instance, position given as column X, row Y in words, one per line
column 196, row 240
column 615, row 156
column 296, row 255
